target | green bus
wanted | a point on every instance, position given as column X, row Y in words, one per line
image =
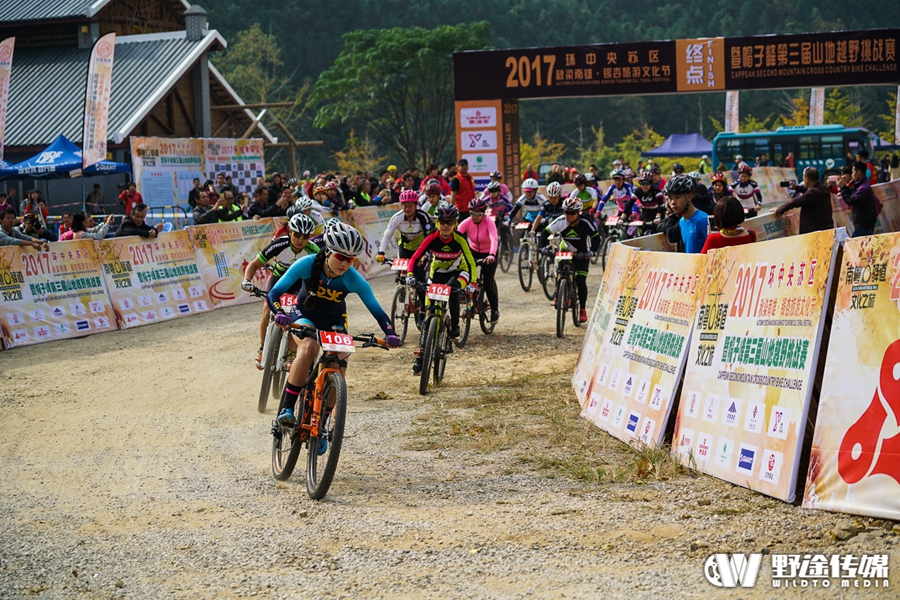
column 822, row 146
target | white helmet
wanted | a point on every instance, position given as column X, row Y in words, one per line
column 302, row 224
column 303, row 204
column 343, row 239
column 573, row 203
column 529, row 184
column 554, row 189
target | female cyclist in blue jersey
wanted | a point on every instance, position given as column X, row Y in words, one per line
column 324, row 281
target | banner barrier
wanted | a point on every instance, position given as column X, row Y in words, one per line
column 854, row 466
column 150, row 280
column 52, row 295
column 767, row 227
column 640, row 363
column 601, row 316
column 223, row 251
column 371, row 222
column 753, row 355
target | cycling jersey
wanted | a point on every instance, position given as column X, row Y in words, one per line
column 588, row 197
column 412, row 232
column 748, row 193
column 532, row 206
column 500, row 207
column 427, row 207
column 550, row 211
column 581, row 237
column 652, row 203
column 447, row 256
column 717, row 197
column 324, row 303
column 482, row 237
column 624, row 198
column 284, row 254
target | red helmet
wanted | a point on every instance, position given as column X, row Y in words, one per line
column 718, row 176
column 433, row 186
column 331, row 185
column 745, row 168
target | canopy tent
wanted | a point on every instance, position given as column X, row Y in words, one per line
column 879, row 143
column 61, row 159
column 682, row 144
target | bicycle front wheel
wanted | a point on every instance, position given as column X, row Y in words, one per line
column 428, row 351
column 526, row 271
column 270, row 357
column 442, row 349
column 484, row 308
column 399, row 314
column 320, row 468
column 549, row 276
column 506, row 251
column 573, row 300
column 606, row 249
column 561, row 307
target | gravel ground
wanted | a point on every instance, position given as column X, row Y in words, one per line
column 133, row 464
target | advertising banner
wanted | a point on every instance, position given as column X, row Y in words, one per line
column 165, row 168
column 152, row 280
column 6, row 55
column 854, row 466
column 752, row 361
column 817, row 106
column 223, row 251
column 52, row 295
column 371, row 221
column 732, row 112
column 601, row 316
column 640, row 363
column 96, row 102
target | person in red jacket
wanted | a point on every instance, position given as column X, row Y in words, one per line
column 529, row 173
column 130, row 197
column 728, row 216
column 462, row 189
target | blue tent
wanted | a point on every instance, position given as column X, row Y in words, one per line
column 60, row 159
column 682, row 144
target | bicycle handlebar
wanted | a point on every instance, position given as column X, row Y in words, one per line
column 369, row 340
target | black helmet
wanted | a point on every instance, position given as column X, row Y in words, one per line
column 678, row 167
column 679, row 184
column 580, row 179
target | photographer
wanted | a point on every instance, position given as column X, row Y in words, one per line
column 32, row 226
column 814, row 201
column 10, row 236
column 859, row 197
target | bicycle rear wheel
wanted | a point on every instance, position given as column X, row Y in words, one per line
column 320, row 469
column 506, row 251
column 399, row 314
column 428, row 351
column 526, row 271
column 484, row 309
column 270, row 357
column 465, row 319
column 561, row 308
column 549, row 276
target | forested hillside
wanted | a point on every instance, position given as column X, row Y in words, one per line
column 309, row 36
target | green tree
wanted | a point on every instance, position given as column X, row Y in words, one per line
column 799, row 113
column 541, row 151
column 397, row 81
column 358, row 155
column 750, row 123
column 637, row 141
column 885, row 122
column 840, row 109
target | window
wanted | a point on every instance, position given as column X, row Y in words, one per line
column 809, row 147
column 832, row 146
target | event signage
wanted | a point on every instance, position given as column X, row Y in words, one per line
column 752, row 361
column 152, row 280
column 165, row 168
column 6, row 55
column 223, row 251
column 854, row 465
column 487, row 133
column 96, row 102
column 640, row 363
column 825, row 59
column 52, row 295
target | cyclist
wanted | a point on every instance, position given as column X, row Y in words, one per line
column 747, row 191
column 481, row 233
column 451, row 264
column 431, row 197
column 303, row 205
column 650, row 199
column 623, row 194
column 531, row 200
column 580, row 235
column 414, row 225
column 550, row 210
column 702, row 190
column 658, row 181
column 284, row 251
column 498, row 177
column 324, row 281
column 719, row 187
column 587, row 195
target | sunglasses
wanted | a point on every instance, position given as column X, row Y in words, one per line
column 342, row 257
column 300, row 236
column 477, row 213
column 448, row 222
column 572, row 212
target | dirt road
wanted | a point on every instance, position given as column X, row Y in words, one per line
column 134, row 464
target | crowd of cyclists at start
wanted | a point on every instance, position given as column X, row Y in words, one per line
column 445, row 227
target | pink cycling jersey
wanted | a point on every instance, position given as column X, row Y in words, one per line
column 482, row 236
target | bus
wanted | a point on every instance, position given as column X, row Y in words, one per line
column 822, row 146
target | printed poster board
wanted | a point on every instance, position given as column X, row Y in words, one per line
column 855, row 462
column 752, row 361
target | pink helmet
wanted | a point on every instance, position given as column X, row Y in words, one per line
column 478, row 205
column 409, row 196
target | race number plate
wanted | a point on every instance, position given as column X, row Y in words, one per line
column 332, row 341
column 288, row 301
column 563, row 256
column 438, row 291
column 399, row 264
column 614, row 220
column 523, row 225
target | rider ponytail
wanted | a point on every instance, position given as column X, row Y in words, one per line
column 318, row 267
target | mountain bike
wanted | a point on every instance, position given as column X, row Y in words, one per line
column 617, row 231
column 437, row 337
column 404, row 304
column 275, row 349
column 506, row 248
column 547, row 267
column 321, row 412
column 566, row 290
column 528, row 258
column 476, row 303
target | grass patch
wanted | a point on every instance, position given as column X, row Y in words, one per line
column 537, row 419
